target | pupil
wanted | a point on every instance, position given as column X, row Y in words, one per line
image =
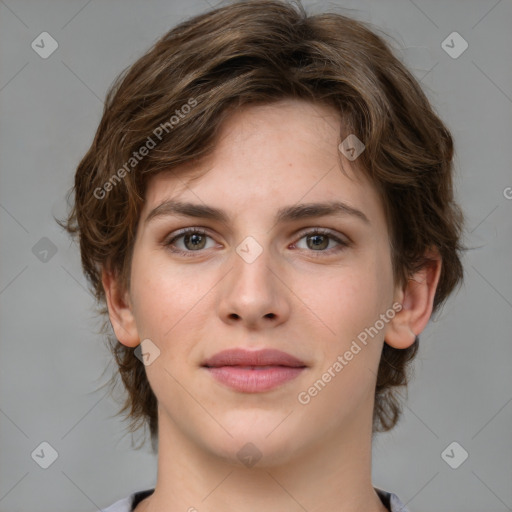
column 318, row 240
column 196, row 240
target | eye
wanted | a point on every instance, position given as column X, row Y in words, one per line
column 194, row 239
column 318, row 240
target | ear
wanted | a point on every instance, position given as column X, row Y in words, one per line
column 417, row 299
column 120, row 310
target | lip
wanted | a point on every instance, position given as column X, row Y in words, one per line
column 264, row 357
column 254, row 371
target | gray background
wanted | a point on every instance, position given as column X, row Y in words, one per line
column 51, row 360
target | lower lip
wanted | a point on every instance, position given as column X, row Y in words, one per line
column 254, row 381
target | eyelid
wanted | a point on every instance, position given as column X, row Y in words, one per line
column 184, row 231
column 342, row 240
column 323, row 231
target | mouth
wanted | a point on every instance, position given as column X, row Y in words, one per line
column 253, row 371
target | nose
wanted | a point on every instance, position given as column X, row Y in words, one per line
column 253, row 293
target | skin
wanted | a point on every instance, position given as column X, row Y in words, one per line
column 310, row 302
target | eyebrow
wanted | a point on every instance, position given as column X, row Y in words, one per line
column 285, row 214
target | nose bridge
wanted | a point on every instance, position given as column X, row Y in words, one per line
column 252, row 264
column 252, row 292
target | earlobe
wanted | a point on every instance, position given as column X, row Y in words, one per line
column 120, row 311
column 417, row 299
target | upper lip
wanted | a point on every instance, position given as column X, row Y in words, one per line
column 242, row 357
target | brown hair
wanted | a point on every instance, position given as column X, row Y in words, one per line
column 178, row 94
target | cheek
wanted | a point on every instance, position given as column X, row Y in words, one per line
column 169, row 302
column 158, row 296
column 352, row 299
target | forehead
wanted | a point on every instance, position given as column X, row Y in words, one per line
column 267, row 156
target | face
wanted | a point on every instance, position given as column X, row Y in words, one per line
column 309, row 286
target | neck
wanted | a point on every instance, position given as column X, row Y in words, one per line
column 332, row 475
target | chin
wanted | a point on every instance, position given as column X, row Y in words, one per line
column 256, row 444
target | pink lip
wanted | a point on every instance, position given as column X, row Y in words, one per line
column 254, row 371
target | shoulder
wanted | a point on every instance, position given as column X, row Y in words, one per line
column 129, row 503
column 391, row 501
column 123, row 505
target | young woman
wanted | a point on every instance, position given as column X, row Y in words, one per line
column 267, row 219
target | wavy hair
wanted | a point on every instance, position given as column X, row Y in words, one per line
column 260, row 52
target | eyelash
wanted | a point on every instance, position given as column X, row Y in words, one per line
column 315, row 231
